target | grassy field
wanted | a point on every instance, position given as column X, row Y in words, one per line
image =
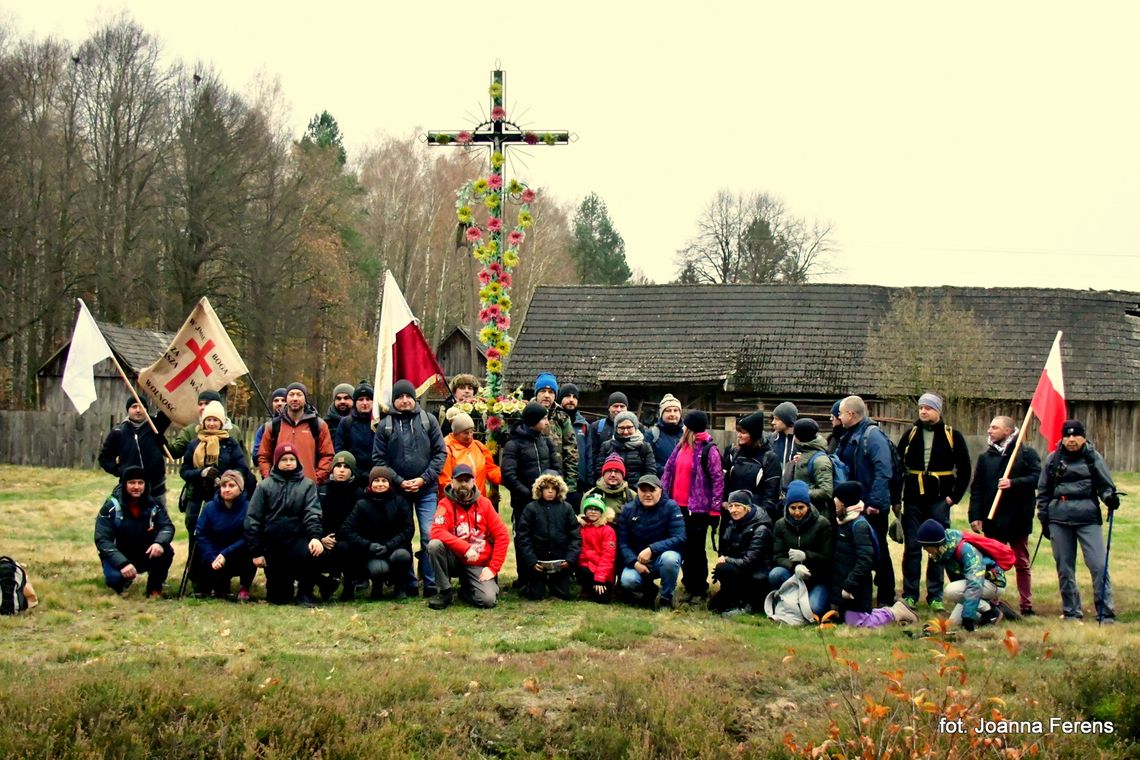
column 88, row 674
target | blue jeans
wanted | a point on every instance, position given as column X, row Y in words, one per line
column 666, row 566
column 424, row 504
column 817, row 594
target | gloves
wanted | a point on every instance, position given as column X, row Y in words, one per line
column 968, row 623
column 210, row 473
column 796, row 555
column 1112, row 501
column 376, row 550
column 1045, row 530
column 802, row 572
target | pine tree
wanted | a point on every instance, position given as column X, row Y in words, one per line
column 597, row 248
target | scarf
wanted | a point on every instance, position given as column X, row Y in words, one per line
column 209, row 447
column 852, row 512
column 1001, row 446
column 630, row 442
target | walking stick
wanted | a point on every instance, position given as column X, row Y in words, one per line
column 186, row 570
column 1039, row 540
column 1104, row 575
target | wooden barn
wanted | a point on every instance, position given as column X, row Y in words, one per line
column 730, row 349
column 458, row 353
column 134, row 348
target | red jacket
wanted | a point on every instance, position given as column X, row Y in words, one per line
column 479, row 525
column 599, row 549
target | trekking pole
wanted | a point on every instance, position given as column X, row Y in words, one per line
column 186, row 570
column 1104, row 575
column 1040, row 538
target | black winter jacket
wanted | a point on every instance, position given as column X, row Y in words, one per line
column 747, row 542
column 814, row 536
column 230, row 457
column 128, row 445
column 122, row 537
column 638, row 457
column 1014, row 516
column 354, row 434
column 921, row 483
column 851, row 569
column 547, row 530
column 384, row 519
column 284, row 508
column 527, row 455
column 757, row 470
column 411, row 444
column 338, row 498
column 1072, row 485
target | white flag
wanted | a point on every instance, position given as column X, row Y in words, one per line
column 202, row 357
column 88, row 348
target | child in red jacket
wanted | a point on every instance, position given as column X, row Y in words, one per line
column 595, row 569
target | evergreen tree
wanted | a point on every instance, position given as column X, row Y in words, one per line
column 597, row 248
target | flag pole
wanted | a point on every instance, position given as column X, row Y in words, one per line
column 260, row 395
column 131, row 388
column 1012, row 458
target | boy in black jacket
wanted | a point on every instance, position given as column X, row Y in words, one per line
column 548, row 539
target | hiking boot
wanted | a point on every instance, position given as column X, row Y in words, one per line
column 1007, row 612
column 903, row 613
column 992, row 616
column 442, row 600
column 243, row 595
column 909, row 601
column 936, row 605
column 327, row 587
column 736, row 612
column 401, row 595
column 662, row 603
column 154, row 595
column 1107, row 621
column 306, row 600
column 1027, row 612
column 429, row 591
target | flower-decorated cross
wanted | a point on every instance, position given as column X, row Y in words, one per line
column 493, row 245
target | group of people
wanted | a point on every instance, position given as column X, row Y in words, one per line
column 620, row 509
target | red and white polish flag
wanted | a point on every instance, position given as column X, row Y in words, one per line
column 402, row 352
column 1049, row 398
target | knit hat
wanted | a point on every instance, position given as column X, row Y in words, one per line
column 594, row 501
column 696, row 420
column 753, row 424
column 797, row 493
column 297, row 387
column 277, row 393
column 617, row 397
column 933, row 400
column 614, row 462
column 345, row 457
column 626, row 416
column 740, row 497
column 569, row 389
column 380, row 472
column 283, row 449
column 462, row 470
column 209, row 396
column 1073, row 427
column 546, row 380
column 461, row 422
column 132, row 472
column 649, row 480
column 805, row 430
column 786, row 413
column 364, row 390
column 931, row 533
column 402, row 388
column 345, row 388
column 668, row 401
column 849, row 492
column 235, row 476
column 532, row 413
column 835, row 408
column 464, row 379
column 131, row 402
column 213, row 409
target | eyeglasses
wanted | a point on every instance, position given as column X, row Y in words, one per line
column 625, row 427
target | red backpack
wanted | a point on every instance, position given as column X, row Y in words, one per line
column 991, row 547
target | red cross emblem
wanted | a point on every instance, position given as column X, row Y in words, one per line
column 199, row 361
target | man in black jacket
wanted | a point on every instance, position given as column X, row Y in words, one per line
column 528, row 453
column 133, row 442
column 133, row 534
column 937, row 464
column 1013, row 521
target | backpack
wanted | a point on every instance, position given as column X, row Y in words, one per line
column 874, row 535
column 840, row 473
column 895, row 482
column 13, row 587
column 387, row 425
column 990, row 547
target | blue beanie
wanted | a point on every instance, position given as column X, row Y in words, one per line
column 835, row 409
column 546, row 380
column 797, row 493
column 931, row 533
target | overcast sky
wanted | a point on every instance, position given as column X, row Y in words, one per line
column 962, row 144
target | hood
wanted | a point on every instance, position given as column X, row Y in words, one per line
column 549, row 479
column 449, row 492
column 524, row 432
column 619, row 490
column 816, row 444
column 133, row 472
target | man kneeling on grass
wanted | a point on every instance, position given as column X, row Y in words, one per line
column 468, row 539
column 651, row 535
column 133, row 534
column 976, row 579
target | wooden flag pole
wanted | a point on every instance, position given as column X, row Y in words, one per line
column 1012, row 458
column 131, row 388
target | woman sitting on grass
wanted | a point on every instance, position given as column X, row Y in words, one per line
column 221, row 550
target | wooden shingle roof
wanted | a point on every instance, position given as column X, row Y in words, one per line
column 812, row 339
column 135, row 347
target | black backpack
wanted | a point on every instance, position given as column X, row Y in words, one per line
column 13, row 580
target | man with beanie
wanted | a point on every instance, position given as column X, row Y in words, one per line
column 560, row 430
column 1013, row 521
column 133, row 533
column 341, row 405
column 856, row 547
column 650, row 537
column 529, row 452
column 1073, row 484
column 177, row 447
column 464, row 448
column 629, row 444
column 612, row 488
column 782, row 443
column 133, row 442
column 603, row 429
column 299, row 425
column 568, row 398
column 354, row 432
column 463, row 389
column 750, row 465
column 812, row 464
column 408, row 441
column 835, row 437
column 745, row 557
column 976, row 580
column 467, row 540
column 867, row 453
column 276, row 403
column 666, row 432
column 938, row 468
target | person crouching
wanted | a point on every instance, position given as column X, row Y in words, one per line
column 133, row 534
column 378, row 533
column 547, row 539
column 222, row 551
column 745, row 557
